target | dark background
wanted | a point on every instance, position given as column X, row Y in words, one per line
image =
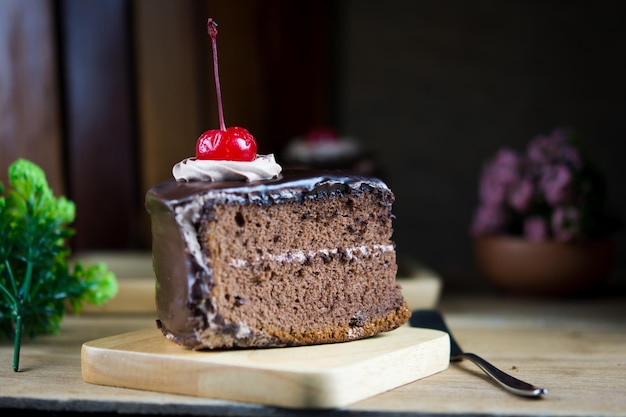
column 107, row 95
column 436, row 87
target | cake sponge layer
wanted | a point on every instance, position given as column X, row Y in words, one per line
column 303, row 261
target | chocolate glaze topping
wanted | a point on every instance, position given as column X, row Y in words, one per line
column 288, row 185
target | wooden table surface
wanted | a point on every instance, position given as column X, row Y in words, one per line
column 575, row 347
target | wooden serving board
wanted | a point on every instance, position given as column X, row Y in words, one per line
column 322, row 376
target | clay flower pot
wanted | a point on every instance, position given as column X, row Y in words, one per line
column 546, row 268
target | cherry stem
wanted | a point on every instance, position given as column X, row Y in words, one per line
column 212, row 29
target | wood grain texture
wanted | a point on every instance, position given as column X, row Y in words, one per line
column 171, row 91
column 322, row 376
column 168, row 37
column 575, row 347
column 30, row 110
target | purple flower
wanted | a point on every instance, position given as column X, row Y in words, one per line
column 572, row 156
column 546, row 148
column 556, row 182
column 491, row 191
column 565, row 223
column 504, row 167
column 554, row 148
column 497, row 175
column 521, row 194
column 542, row 194
column 535, row 228
column 489, row 219
column 540, row 149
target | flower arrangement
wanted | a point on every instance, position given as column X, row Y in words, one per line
column 552, row 191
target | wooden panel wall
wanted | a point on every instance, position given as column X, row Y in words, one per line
column 170, row 89
column 99, row 120
column 30, row 118
column 107, row 95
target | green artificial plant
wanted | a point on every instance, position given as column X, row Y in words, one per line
column 37, row 281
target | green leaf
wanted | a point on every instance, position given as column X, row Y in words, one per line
column 36, row 281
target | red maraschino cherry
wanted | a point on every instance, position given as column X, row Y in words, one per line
column 232, row 144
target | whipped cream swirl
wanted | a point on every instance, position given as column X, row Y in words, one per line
column 192, row 169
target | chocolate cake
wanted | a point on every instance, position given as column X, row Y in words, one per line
column 248, row 255
column 303, row 258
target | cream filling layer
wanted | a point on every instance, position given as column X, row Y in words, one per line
column 301, row 255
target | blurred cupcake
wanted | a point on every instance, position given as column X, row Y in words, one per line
column 323, row 148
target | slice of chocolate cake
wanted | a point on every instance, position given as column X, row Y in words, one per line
column 247, row 256
column 299, row 259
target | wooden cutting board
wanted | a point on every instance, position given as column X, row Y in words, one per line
column 322, row 376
